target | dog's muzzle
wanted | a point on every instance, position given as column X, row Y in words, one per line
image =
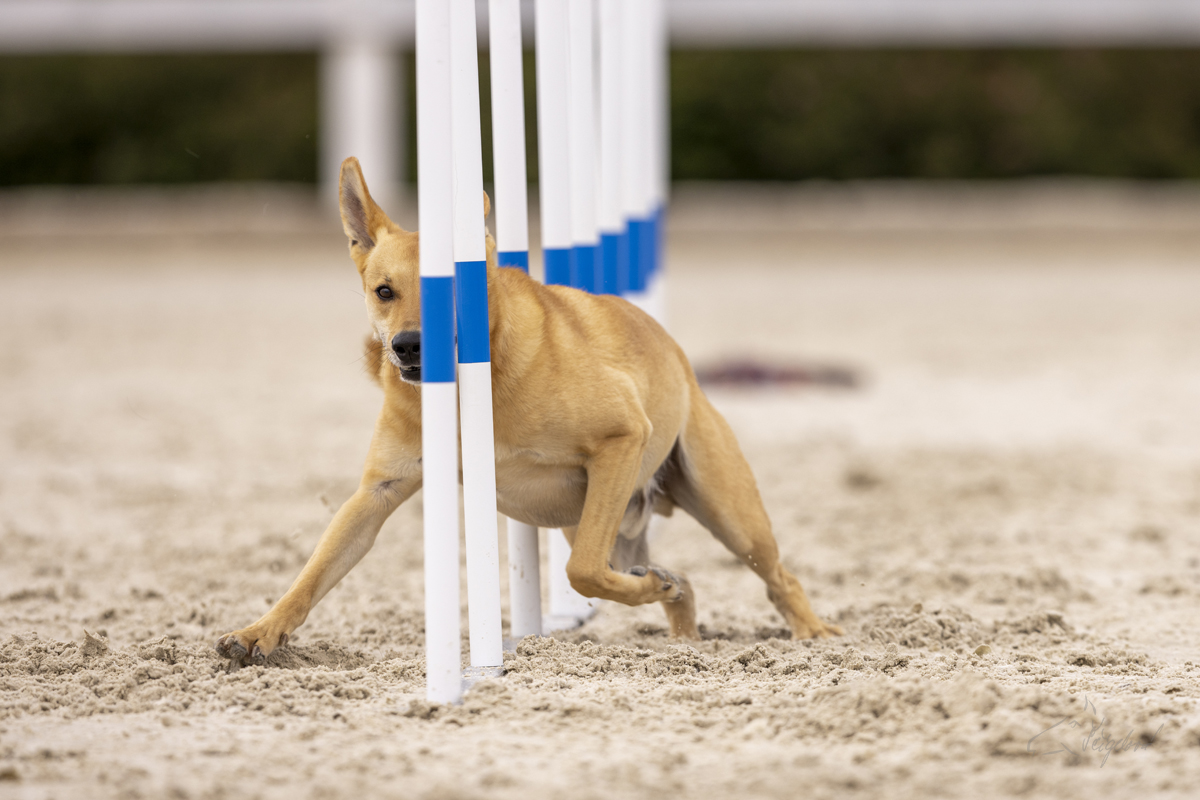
column 406, row 350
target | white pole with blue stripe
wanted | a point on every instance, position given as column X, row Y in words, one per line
column 474, row 349
column 512, row 246
column 439, row 406
column 660, row 169
column 554, row 162
column 614, row 272
column 581, row 125
column 567, row 607
column 508, row 133
column 635, row 149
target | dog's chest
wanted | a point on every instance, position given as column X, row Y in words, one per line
column 537, row 488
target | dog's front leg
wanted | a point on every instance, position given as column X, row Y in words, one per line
column 347, row 539
column 612, row 477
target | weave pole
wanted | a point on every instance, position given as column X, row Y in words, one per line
column 658, row 78
column 581, row 135
column 512, row 245
column 568, row 608
column 474, row 349
column 554, row 162
column 635, row 150
column 439, row 423
column 614, row 265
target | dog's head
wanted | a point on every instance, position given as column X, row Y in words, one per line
column 388, row 262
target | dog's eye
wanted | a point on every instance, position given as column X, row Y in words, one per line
column 384, row 293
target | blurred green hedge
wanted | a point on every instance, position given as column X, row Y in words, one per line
column 971, row 114
column 158, row 119
column 747, row 115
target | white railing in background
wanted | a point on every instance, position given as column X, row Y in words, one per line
column 32, row 26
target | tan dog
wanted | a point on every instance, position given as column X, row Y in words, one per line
column 598, row 422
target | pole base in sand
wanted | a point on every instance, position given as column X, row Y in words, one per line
column 473, row 675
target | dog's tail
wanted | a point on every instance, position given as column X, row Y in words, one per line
column 373, row 358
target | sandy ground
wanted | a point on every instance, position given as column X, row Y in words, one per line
column 1005, row 518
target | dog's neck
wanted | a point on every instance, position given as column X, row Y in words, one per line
column 513, row 306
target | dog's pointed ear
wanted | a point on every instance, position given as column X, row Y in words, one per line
column 489, row 241
column 362, row 218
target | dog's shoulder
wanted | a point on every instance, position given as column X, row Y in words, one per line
column 572, row 326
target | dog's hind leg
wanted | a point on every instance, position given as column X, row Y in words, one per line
column 632, row 554
column 707, row 476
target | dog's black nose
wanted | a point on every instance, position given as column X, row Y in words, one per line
column 407, row 346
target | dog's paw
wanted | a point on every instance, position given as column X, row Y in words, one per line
column 666, row 585
column 817, row 630
column 669, row 582
column 248, row 646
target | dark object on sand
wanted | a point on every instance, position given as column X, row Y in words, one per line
column 751, row 372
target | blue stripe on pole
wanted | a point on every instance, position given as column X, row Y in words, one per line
column 513, row 258
column 637, row 255
column 648, row 265
column 471, row 296
column 648, row 250
column 437, row 329
column 610, row 253
column 583, row 267
column 623, row 261
column 660, row 237
column 653, row 245
column 558, row 265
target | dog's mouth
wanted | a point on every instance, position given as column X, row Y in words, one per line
column 409, row 373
